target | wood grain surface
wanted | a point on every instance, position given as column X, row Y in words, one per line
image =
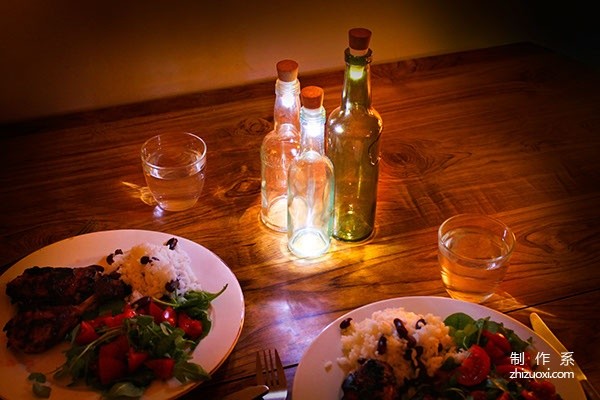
column 511, row 131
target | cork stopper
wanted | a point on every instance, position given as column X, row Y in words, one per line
column 312, row 97
column 287, row 70
column 358, row 40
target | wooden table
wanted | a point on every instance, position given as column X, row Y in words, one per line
column 512, row 131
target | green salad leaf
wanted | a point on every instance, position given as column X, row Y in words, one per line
column 466, row 331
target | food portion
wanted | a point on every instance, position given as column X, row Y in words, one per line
column 136, row 320
column 51, row 302
column 398, row 355
column 49, row 286
column 154, row 270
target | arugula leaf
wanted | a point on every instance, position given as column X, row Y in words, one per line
column 463, row 329
column 38, row 385
column 466, row 331
column 124, row 390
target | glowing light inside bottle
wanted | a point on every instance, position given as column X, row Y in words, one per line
column 309, row 243
column 357, row 72
column 288, row 99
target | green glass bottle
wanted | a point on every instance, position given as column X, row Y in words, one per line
column 353, row 135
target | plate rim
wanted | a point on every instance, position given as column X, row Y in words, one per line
column 235, row 291
column 395, row 302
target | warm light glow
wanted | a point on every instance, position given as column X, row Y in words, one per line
column 357, row 72
column 288, row 100
column 309, row 243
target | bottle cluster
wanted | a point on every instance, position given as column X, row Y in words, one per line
column 319, row 174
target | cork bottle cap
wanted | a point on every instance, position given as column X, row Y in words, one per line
column 359, row 39
column 287, row 70
column 312, row 97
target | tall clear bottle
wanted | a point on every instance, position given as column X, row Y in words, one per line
column 280, row 146
column 310, row 183
column 353, row 145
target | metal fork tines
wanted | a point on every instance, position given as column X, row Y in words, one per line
column 269, row 371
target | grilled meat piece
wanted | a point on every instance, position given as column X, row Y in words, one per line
column 48, row 286
column 35, row 331
column 373, row 380
column 51, row 302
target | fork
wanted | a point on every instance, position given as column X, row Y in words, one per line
column 269, row 371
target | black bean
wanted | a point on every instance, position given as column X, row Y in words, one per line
column 420, row 323
column 400, row 328
column 172, row 243
column 110, row 259
column 419, row 350
column 118, row 251
column 144, row 260
column 142, row 301
column 382, row 345
column 172, row 285
column 345, row 323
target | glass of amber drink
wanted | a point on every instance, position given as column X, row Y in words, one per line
column 473, row 253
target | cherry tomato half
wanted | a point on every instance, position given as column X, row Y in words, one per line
column 475, row 367
column 192, row 327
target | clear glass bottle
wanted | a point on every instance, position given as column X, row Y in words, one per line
column 353, row 145
column 280, row 146
column 310, row 183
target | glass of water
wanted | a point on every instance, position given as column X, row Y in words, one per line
column 174, row 165
column 474, row 252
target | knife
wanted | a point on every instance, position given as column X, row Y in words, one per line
column 249, row 393
column 542, row 329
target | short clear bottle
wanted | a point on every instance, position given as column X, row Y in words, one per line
column 310, row 183
column 280, row 146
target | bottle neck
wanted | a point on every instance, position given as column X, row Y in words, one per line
column 287, row 104
column 357, row 80
column 312, row 129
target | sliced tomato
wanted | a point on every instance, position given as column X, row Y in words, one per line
column 478, row 395
column 504, row 396
column 155, row 311
column 117, row 320
column 110, row 369
column 527, row 395
column 475, row 367
column 87, row 334
column 506, row 370
column 135, row 359
column 169, row 315
column 116, row 349
column 162, row 367
column 545, row 389
column 192, row 327
column 497, row 345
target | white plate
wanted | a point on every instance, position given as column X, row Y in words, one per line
column 315, row 382
column 227, row 311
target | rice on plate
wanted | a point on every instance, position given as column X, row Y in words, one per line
column 151, row 269
column 362, row 340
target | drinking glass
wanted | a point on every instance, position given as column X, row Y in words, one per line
column 174, row 165
column 473, row 253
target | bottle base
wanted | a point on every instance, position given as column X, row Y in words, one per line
column 275, row 216
column 308, row 243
